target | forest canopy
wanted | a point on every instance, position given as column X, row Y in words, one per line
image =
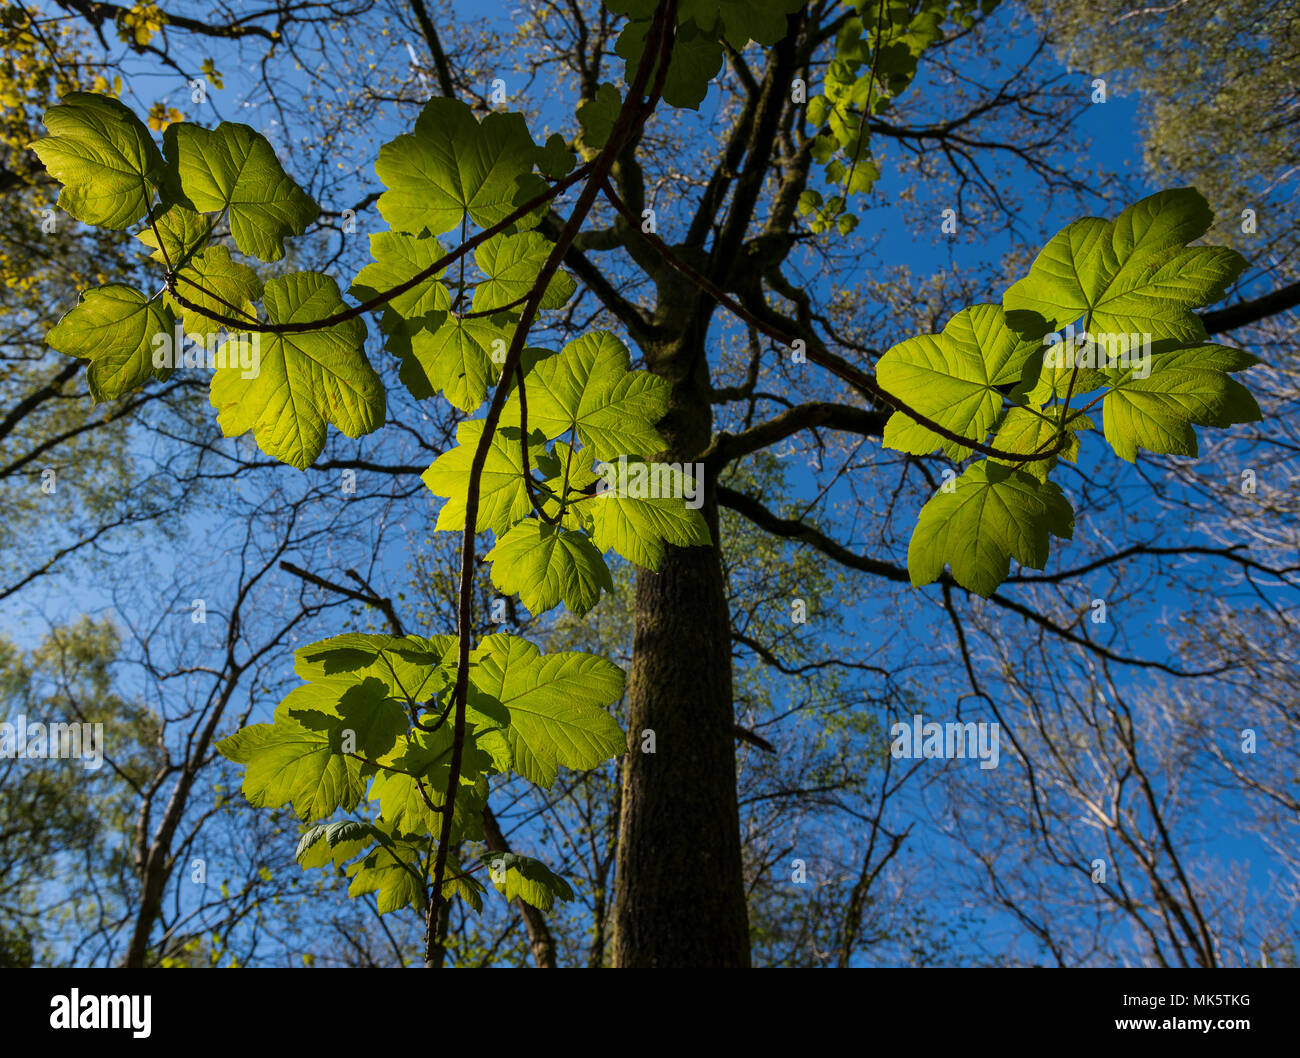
column 649, row 483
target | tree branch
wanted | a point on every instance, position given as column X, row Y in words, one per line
column 726, row 447
column 1245, row 313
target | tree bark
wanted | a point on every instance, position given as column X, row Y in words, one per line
column 679, row 887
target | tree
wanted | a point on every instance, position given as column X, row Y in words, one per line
column 76, row 818
column 680, row 891
column 1207, row 72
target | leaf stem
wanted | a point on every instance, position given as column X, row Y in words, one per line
column 384, row 296
column 658, row 48
column 856, row 378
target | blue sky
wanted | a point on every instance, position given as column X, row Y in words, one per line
column 1107, row 143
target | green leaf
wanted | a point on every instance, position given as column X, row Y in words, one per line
column 993, row 514
column 103, row 156
column 503, row 496
column 512, row 264
column 453, row 166
column 305, row 379
column 333, row 844
column 1031, row 430
column 218, row 284
column 582, row 482
column 1185, row 387
column 543, row 564
column 696, row 60
column 288, row 764
column 466, row 886
column 853, row 178
column 640, row 508
column 589, row 387
column 526, row 878
column 809, row 202
column 427, row 754
column 343, row 707
column 427, row 758
column 597, row 116
column 114, row 327
column 397, row 259
column 410, row 667
column 397, row 340
column 234, row 168
column 1069, row 366
column 400, row 802
column 952, row 379
column 554, row 704
column 762, row 21
column 1132, row 275
column 556, row 158
column 457, row 357
column 395, row 875
column 181, row 230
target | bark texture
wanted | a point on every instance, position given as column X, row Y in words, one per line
column 679, row 893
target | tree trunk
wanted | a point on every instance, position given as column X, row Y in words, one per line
column 154, row 866
column 153, row 878
column 679, row 888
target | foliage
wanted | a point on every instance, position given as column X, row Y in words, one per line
column 1131, row 285
column 560, row 467
column 60, row 815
